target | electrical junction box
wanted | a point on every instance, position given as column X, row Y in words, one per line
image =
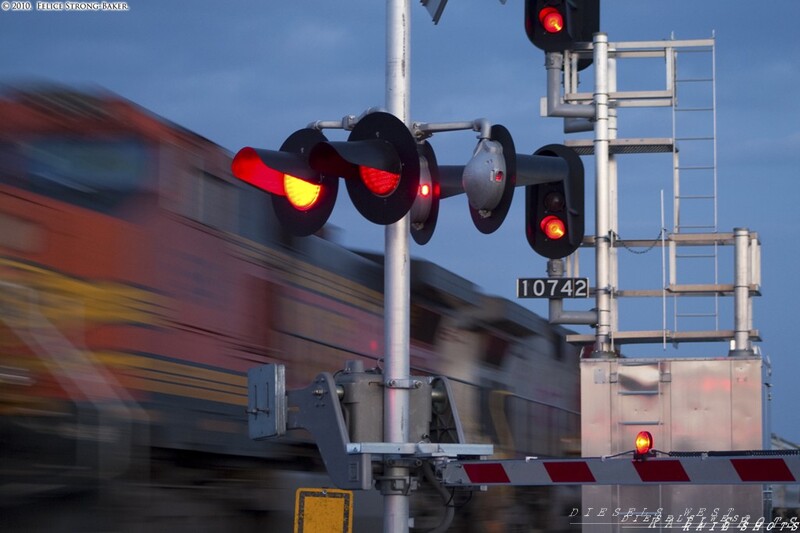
column 687, row 405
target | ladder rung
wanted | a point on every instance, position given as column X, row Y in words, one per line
column 649, row 337
column 696, row 256
column 702, row 289
column 696, row 315
column 625, row 146
column 700, row 49
column 696, row 227
column 694, row 138
column 695, row 109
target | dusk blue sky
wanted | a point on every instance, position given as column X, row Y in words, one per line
column 249, row 73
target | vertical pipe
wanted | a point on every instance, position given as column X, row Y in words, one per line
column 397, row 285
column 663, row 277
column 602, row 237
column 398, row 58
column 755, row 272
column 741, row 293
column 613, row 197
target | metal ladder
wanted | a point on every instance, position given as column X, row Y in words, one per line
column 693, row 242
column 694, row 158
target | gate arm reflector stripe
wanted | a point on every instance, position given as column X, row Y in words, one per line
column 699, row 469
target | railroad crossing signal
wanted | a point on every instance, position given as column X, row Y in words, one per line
column 489, row 179
column 389, row 174
column 554, row 211
column 301, row 197
column 556, row 25
column 496, row 169
column 379, row 162
column 380, row 165
column 425, row 209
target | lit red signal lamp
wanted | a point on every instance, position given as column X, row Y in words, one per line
column 554, row 209
column 553, row 227
column 302, row 197
column 249, row 167
column 558, row 25
column 379, row 182
column 643, row 445
column 551, row 19
column 379, row 163
column 425, row 210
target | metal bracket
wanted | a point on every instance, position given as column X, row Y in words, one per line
column 266, row 401
column 396, row 485
column 271, row 411
column 445, row 422
column 319, row 409
column 420, row 449
column 410, row 383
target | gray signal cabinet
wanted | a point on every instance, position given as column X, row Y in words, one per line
column 687, row 405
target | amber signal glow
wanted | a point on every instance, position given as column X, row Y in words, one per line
column 644, row 442
column 300, row 193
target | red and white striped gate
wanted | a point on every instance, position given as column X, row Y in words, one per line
column 700, row 468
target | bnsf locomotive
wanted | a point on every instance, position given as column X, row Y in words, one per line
column 138, row 284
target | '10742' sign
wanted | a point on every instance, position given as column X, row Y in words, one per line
column 552, row 287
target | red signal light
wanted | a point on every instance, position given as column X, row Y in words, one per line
column 379, row 182
column 644, row 442
column 551, row 19
column 302, row 197
column 553, row 227
column 425, row 210
column 248, row 167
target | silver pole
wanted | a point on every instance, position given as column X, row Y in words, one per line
column 602, row 193
column 741, row 293
column 397, row 286
column 613, row 197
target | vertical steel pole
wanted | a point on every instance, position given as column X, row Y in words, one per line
column 397, row 285
column 613, row 199
column 602, row 193
column 741, row 293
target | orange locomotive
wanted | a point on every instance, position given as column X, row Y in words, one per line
column 138, row 284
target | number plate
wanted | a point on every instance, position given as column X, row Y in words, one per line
column 552, row 287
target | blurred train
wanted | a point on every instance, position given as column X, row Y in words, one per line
column 138, row 284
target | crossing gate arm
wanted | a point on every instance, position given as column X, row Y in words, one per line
column 696, row 468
